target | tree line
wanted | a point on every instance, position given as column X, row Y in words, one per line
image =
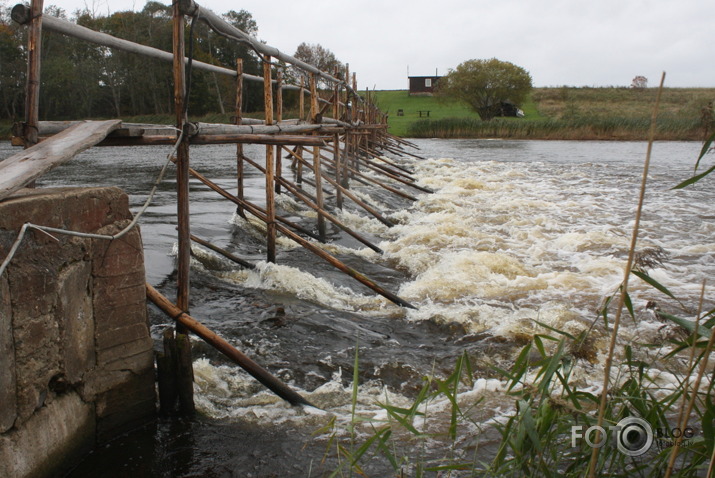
column 83, row 80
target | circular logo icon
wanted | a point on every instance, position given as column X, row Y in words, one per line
column 635, row 436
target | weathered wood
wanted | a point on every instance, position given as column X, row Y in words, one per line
column 367, row 179
column 217, row 129
column 293, row 189
column 308, row 245
column 270, row 184
column 220, row 344
column 361, row 203
column 257, row 211
column 301, row 100
column 336, row 144
column 238, row 111
column 314, row 118
column 166, row 378
column 22, row 168
column 221, row 26
column 32, row 98
column 223, row 252
column 184, row 371
column 374, row 212
column 259, row 139
column 279, row 118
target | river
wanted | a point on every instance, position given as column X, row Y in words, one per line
column 516, row 232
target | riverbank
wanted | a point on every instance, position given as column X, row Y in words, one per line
column 566, row 113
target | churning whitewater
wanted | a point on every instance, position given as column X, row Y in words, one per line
column 516, row 235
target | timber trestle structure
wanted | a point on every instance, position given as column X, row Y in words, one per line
column 341, row 138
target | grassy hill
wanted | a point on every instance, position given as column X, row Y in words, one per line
column 558, row 113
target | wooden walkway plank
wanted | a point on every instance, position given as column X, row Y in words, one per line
column 22, row 168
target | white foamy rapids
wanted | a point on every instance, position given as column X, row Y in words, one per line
column 301, row 284
column 223, row 391
column 499, row 244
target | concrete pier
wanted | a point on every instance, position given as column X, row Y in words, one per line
column 76, row 359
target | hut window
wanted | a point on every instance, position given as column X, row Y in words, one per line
column 428, row 82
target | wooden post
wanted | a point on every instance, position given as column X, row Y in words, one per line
column 166, row 375
column 301, row 117
column 32, row 98
column 316, row 158
column 238, row 120
column 301, row 100
column 279, row 118
column 336, row 143
column 270, row 183
column 184, row 371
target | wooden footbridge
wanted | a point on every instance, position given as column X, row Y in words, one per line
column 341, row 136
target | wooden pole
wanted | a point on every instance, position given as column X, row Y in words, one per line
column 336, row 144
column 279, row 118
column 301, row 100
column 270, row 183
column 316, row 158
column 308, row 245
column 223, row 252
column 367, row 179
column 355, row 199
column 32, row 98
column 239, row 146
column 184, row 370
column 293, row 189
column 256, row 371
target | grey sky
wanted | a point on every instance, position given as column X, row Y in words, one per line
column 560, row 42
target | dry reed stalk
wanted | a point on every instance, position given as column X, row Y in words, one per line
column 692, row 353
column 686, row 416
column 624, row 285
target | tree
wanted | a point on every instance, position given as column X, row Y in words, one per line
column 318, row 56
column 639, row 82
column 486, row 85
column 13, row 66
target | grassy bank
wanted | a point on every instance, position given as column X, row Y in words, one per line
column 558, row 113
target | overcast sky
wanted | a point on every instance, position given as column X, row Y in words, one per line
column 559, row 42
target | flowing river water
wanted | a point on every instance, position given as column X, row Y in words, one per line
column 516, row 232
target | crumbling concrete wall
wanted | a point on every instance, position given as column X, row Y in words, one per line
column 76, row 361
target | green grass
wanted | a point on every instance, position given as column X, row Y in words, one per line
column 558, row 113
column 392, row 101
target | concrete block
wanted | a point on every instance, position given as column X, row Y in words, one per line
column 120, row 291
column 126, row 406
column 112, row 318
column 8, row 409
column 76, row 321
column 119, row 257
column 133, row 354
column 52, row 440
column 33, row 287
